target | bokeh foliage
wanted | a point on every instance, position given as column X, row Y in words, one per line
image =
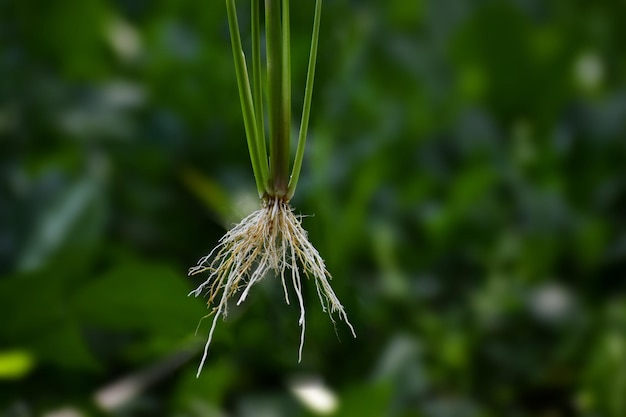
column 466, row 172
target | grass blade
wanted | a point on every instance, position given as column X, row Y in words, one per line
column 286, row 90
column 257, row 91
column 306, row 109
column 245, row 96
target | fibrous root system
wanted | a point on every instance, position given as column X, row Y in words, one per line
column 269, row 240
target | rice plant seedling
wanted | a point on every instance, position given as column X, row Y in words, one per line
column 272, row 239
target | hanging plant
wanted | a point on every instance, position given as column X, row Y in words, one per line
column 272, row 239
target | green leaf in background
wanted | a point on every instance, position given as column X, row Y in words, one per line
column 211, row 194
column 208, row 392
column 44, row 323
column 73, row 220
column 147, row 297
column 15, row 364
column 605, row 373
column 64, row 345
column 365, row 400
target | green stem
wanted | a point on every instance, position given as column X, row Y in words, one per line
column 257, row 91
column 279, row 127
column 286, row 99
column 308, row 95
column 245, row 96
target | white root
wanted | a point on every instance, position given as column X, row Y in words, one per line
column 270, row 239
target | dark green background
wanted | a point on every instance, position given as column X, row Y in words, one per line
column 466, row 173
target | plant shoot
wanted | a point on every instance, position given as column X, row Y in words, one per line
column 271, row 240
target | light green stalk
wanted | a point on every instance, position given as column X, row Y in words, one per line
column 245, row 96
column 306, row 108
column 257, row 91
column 286, row 90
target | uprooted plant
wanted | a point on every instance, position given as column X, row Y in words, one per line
column 270, row 239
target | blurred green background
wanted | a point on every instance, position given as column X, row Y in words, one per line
column 466, row 173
